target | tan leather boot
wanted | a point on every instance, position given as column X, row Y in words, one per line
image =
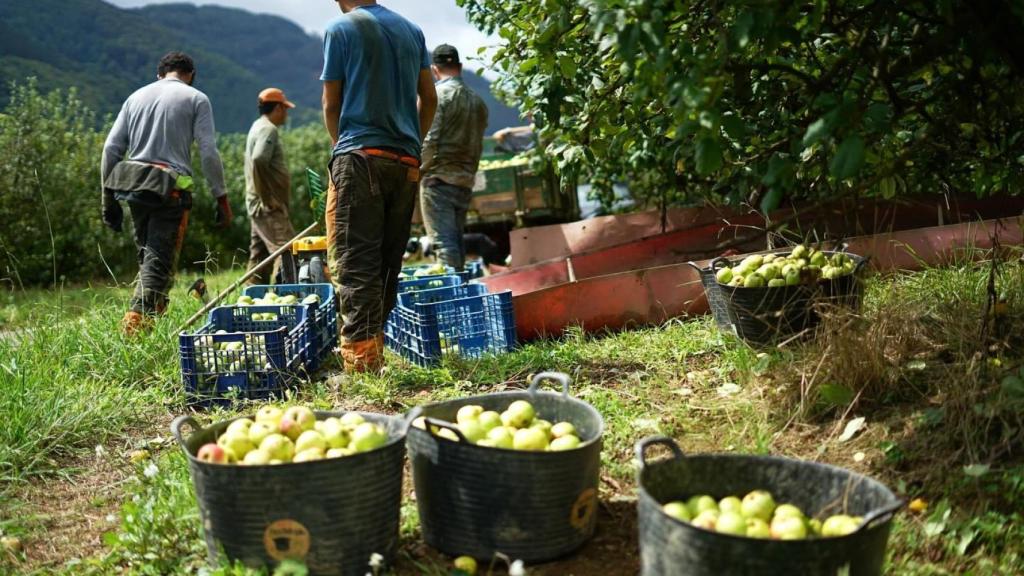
column 363, row 355
column 134, row 323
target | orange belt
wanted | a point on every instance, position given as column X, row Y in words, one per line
column 407, row 160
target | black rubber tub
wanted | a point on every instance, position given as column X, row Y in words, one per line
column 669, row 547
column 331, row 514
column 532, row 506
column 717, row 302
column 762, row 316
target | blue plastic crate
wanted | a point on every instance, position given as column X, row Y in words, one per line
column 463, row 320
column 261, row 357
column 475, row 269
column 324, row 315
column 448, row 271
column 429, row 282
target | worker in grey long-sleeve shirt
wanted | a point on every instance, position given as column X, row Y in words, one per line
column 147, row 163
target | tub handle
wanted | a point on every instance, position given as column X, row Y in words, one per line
column 176, row 428
column 559, row 377
column 430, row 422
column 863, row 262
column 643, row 445
column 413, row 414
column 883, row 514
column 719, row 260
column 694, row 265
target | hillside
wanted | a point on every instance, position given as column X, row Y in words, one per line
column 107, row 52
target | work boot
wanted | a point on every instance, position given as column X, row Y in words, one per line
column 134, row 323
column 363, row 355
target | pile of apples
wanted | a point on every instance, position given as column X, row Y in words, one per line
column 758, row 516
column 293, row 434
column 272, row 299
column 517, row 428
column 801, row 266
column 235, row 356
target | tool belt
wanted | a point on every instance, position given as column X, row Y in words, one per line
column 148, row 183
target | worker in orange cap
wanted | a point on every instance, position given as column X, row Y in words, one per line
column 268, row 188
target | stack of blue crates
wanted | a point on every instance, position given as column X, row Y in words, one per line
column 433, row 320
column 245, row 352
column 255, row 352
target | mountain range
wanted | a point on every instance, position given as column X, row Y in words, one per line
column 107, row 52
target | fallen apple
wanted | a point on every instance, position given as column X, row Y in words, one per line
column 466, row 564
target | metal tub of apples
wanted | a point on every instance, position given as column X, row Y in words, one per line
column 714, row 514
column 323, row 488
column 775, row 295
column 511, row 472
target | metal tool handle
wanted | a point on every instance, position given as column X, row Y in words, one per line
column 559, row 377
column 643, row 445
column 431, row 422
column 269, row 259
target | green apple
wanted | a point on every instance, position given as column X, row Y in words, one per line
column 270, row 415
column 275, row 462
column 758, row 504
column 769, row 258
column 311, row 299
column 839, row 525
column 706, row 519
column 503, row 436
column 753, row 262
column 489, row 420
column 564, row 443
column 446, row 434
column 466, row 565
column 799, row 251
column 769, row 271
column 818, row 258
column 352, row 419
column 467, row 413
column 336, row 434
column 724, row 275
column 241, row 425
column 814, row 526
column 701, row 503
column 783, row 510
column 730, row 504
column 521, row 413
column 776, row 282
column 256, row 458
column 542, row 425
column 244, row 300
column 788, row 528
column 238, row 444
column 793, row 278
column 310, row 439
column 487, row 443
column 737, row 281
column 563, row 429
column 532, row 439
column 309, row 455
column 731, row 523
column 678, row 510
column 368, row 436
column 757, row 528
column 296, row 420
column 279, row 447
column 213, row 454
column 472, row 430
column 260, row 430
column 754, row 281
column 339, row 452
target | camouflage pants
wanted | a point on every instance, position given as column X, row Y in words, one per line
column 370, row 203
column 268, row 234
column 159, row 233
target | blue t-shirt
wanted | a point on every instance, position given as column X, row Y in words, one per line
column 378, row 56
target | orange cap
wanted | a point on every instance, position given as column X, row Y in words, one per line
column 275, row 95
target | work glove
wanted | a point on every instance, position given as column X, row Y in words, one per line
column 113, row 215
column 224, row 214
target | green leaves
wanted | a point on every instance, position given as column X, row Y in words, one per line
column 708, row 155
column 848, row 159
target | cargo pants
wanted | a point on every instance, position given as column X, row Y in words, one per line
column 370, row 202
column 444, row 209
column 269, row 232
column 159, row 233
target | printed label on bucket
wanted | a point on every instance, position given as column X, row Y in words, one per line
column 583, row 510
column 286, row 540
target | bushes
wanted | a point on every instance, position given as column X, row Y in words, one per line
column 50, row 193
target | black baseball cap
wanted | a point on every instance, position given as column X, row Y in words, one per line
column 446, row 54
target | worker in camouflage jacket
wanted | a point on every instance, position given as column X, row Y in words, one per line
column 147, row 163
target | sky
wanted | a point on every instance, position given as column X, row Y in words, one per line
column 441, row 20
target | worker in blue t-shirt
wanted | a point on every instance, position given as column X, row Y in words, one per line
column 378, row 103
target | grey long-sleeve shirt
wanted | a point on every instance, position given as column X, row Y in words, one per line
column 158, row 124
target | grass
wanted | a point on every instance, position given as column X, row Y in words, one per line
column 938, row 425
